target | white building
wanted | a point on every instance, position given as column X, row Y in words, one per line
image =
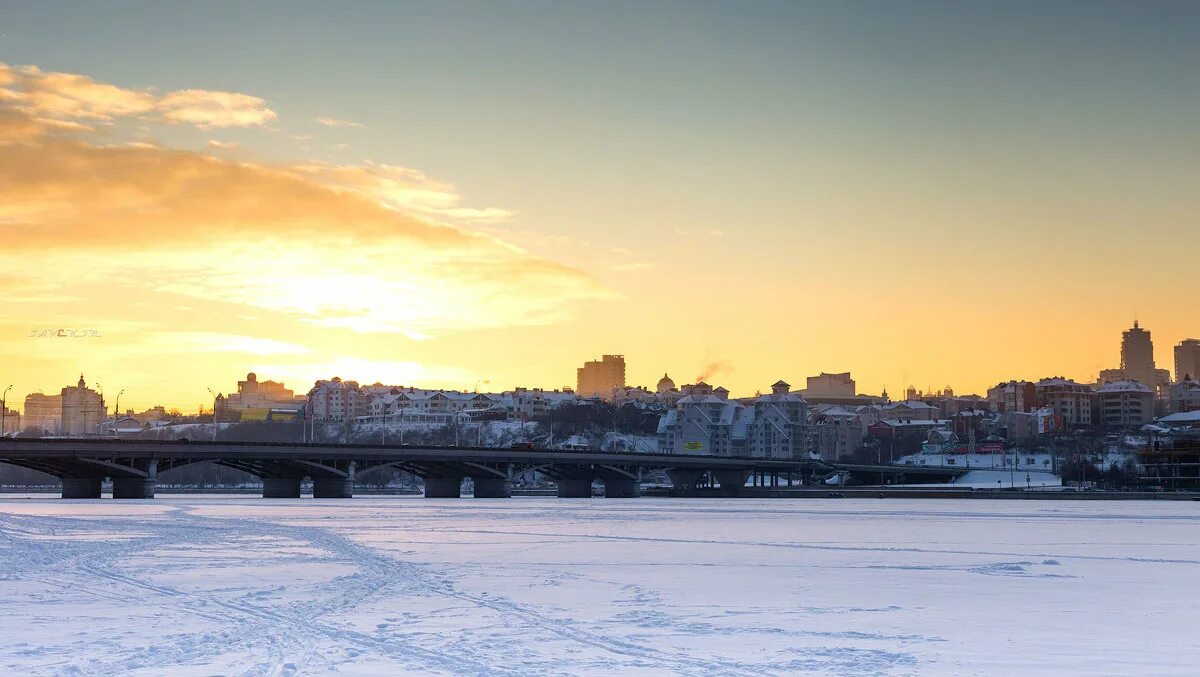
column 1125, row 403
column 418, row 405
column 702, row 424
column 1185, row 396
column 708, row 422
column 778, row 426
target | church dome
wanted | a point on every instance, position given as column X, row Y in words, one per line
column 665, row 383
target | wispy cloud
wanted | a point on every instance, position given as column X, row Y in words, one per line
column 54, row 98
column 334, row 122
column 403, row 189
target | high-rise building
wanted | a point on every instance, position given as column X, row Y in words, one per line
column 10, row 420
column 599, row 378
column 1137, row 356
column 43, row 412
column 1187, row 359
column 831, row 384
column 82, row 409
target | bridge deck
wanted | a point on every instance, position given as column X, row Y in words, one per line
column 195, row 449
column 133, row 466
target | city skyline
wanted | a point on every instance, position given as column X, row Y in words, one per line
column 603, row 378
column 823, row 194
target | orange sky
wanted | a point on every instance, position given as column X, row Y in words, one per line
column 128, row 211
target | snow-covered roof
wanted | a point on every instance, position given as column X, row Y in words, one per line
column 782, row 397
column 914, row 422
column 1124, row 386
column 1181, row 417
column 701, row 399
column 836, row 411
column 1056, row 381
column 742, row 418
column 667, row 420
column 1185, row 386
column 911, row 404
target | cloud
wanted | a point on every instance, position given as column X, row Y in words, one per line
column 207, row 109
column 227, row 145
column 69, row 98
column 374, row 248
column 334, row 122
column 402, row 189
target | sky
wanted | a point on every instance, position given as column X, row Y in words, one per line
column 487, row 194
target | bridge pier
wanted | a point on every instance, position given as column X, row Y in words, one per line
column 684, row 480
column 492, row 487
column 333, row 487
column 732, row 481
column 443, row 487
column 81, row 487
column 622, row 487
column 281, row 487
column 133, row 487
column 574, row 487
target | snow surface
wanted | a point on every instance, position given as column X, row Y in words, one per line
column 1004, row 479
column 398, row 585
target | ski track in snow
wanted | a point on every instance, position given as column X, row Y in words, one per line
column 540, row 586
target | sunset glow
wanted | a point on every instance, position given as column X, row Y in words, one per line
column 807, row 204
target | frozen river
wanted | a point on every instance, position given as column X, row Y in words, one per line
column 218, row 585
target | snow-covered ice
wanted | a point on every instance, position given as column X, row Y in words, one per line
column 391, row 585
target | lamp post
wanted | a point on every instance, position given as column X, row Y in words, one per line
column 4, row 411
column 103, row 407
column 117, row 410
column 214, row 396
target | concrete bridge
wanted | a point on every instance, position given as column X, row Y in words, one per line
column 82, row 465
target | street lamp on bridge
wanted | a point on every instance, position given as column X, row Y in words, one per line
column 4, row 411
column 214, row 395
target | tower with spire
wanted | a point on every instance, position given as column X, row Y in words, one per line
column 82, row 409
